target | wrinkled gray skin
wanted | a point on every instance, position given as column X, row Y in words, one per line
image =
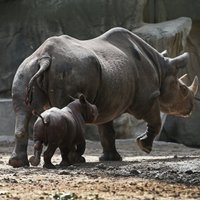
column 64, row 129
column 117, row 71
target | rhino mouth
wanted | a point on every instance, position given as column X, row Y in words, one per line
column 185, row 114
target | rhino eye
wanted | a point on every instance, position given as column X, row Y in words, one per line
column 184, row 90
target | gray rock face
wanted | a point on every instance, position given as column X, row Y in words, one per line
column 170, row 35
column 7, row 117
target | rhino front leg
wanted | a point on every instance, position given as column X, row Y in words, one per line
column 145, row 141
column 107, row 137
column 19, row 156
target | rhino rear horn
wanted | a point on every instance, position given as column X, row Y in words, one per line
column 180, row 61
column 184, row 79
column 194, row 86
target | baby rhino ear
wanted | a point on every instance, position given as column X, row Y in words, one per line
column 82, row 99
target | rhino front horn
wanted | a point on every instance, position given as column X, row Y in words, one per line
column 194, row 86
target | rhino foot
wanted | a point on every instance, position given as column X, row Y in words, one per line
column 145, row 143
column 34, row 161
column 64, row 164
column 20, row 160
column 110, row 156
column 81, row 159
column 74, row 157
column 49, row 166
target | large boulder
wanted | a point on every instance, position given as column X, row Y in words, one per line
column 169, row 35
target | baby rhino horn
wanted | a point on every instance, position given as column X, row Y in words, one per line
column 194, row 86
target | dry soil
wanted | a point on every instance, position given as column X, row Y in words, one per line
column 171, row 171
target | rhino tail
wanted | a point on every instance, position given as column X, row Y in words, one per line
column 44, row 63
column 44, row 121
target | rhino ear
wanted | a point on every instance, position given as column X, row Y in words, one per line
column 179, row 61
column 82, row 99
column 71, row 98
column 164, row 53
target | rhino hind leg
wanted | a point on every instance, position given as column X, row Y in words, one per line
column 48, row 154
column 107, row 137
column 19, row 156
column 64, row 155
column 35, row 160
column 74, row 157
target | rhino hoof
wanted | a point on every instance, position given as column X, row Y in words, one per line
column 110, row 156
column 143, row 146
column 81, row 159
column 49, row 166
column 34, row 161
column 64, row 164
column 17, row 161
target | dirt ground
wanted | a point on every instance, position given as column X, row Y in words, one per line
column 171, row 171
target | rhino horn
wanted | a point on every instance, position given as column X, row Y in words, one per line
column 180, row 61
column 184, row 79
column 194, row 86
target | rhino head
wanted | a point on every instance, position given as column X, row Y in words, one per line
column 176, row 97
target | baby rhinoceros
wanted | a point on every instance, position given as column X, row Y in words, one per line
column 64, row 129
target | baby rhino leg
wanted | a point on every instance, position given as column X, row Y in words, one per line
column 48, row 154
column 64, row 155
column 80, row 149
column 76, row 152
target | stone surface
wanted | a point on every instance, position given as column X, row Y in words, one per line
column 170, row 35
column 7, row 117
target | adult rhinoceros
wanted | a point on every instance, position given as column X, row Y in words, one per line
column 117, row 71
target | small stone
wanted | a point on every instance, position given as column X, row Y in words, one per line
column 64, row 173
column 175, row 156
column 101, row 166
column 189, row 172
column 135, row 172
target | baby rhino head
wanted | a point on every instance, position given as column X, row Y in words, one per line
column 89, row 111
